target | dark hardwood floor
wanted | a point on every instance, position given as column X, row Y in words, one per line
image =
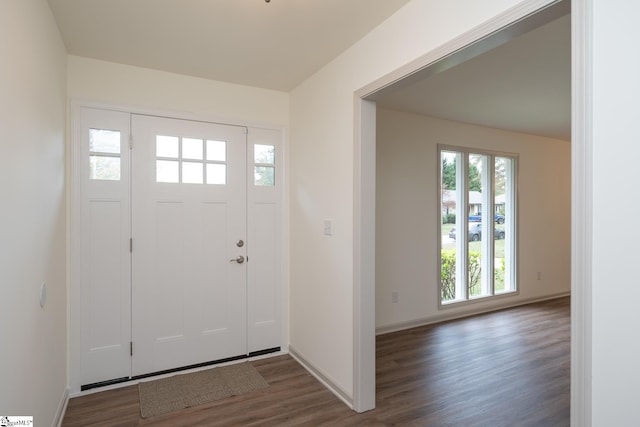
column 507, row 368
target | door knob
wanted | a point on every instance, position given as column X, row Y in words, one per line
column 239, row 259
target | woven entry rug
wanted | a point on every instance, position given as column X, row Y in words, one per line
column 183, row 391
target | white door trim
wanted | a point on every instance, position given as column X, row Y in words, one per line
column 74, row 311
column 364, row 194
column 581, row 211
column 364, row 257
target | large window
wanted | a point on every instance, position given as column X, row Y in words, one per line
column 477, row 198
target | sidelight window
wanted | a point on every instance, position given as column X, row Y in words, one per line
column 264, row 171
column 104, row 154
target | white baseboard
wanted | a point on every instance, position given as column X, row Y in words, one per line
column 62, row 409
column 320, row 376
column 442, row 317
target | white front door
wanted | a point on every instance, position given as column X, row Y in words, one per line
column 189, row 222
column 162, row 209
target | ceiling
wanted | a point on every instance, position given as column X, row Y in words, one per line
column 523, row 85
column 274, row 45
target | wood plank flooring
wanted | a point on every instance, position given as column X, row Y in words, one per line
column 507, row 368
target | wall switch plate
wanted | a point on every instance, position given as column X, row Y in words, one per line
column 327, row 226
column 394, row 297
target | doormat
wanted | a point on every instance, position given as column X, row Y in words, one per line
column 183, row 391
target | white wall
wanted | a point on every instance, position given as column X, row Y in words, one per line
column 33, row 362
column 135, row 87
column 407, row 213
column 322, row 173
column 616, row 150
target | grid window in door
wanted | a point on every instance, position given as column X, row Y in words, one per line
column 104, row 154
column 190, row 160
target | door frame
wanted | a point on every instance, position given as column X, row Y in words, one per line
column 459, row 49
column 74, row 236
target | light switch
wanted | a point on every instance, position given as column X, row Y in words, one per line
column 328, row 227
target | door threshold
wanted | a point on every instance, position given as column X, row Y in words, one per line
column 180, row 369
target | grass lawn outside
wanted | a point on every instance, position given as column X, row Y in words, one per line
column 448, row 244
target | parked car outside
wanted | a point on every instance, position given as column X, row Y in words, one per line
column 477, row 218
column 475, row 232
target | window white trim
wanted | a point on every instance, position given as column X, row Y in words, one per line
column 462, row 247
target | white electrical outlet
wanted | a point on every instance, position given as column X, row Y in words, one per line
column 539, row 275
column 394, row 297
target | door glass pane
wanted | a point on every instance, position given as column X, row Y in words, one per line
column 216, row 173
column 216, row 150
column 264, row 154
column 192, row 173
column 167, row 146
column 264, row 176
column 104, row 168
column 167, row 171
column 104, row 141
column 192, row 149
